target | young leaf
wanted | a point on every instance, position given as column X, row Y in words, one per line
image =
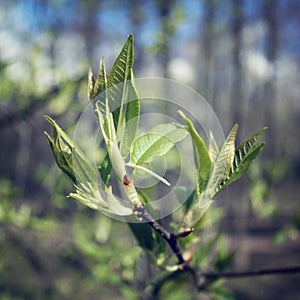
column 60, row 157
column 149, row 145
column 116, row 206
column 245, row 154
column 222, row 163
column 69, row 158
column 213, row 149
column 157, row 142
column 101, row 82
column 132, row 115
column 105, row 169
column 120, row 73
column 195, row 210
column 149, row 240
column 202, row 155
column 91, row 84
column 174, row 132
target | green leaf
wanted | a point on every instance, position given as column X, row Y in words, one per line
column 61, row 160
column 213, row 149
column 245, row 154
column 174, row 132
column 101, row 82
column 157, row 142
column 195, row 211
column 70, row 159
column 120, row 73
column 243, row 165
column 105, row 169
column 132, row 115
column 204, row 162
column 149, row 145
column 222, row 163
column 116, row 206
column 91, row 84
column 149, row 240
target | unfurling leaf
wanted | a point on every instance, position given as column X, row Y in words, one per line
column 105, row 169
column 244, row 155
column 69, row 158
column 101, row 82
column 76, row 167
column 120, row 73
column 222, row 163
column 116, row 94
column 132, row 116
column 157, row 142
column 204, row 162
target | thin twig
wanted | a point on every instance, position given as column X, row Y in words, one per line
column 170, row 238
column 205, row 276
column 252, row 273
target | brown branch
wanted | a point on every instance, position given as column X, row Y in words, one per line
column 170, row 238
column 252, row 273
column 207, row 276
column 200, row 278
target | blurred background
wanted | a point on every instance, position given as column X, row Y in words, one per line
column 242, row 56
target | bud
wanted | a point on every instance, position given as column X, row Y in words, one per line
column 76, row 167
column 70, row 159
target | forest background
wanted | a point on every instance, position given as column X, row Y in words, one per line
column 242, row 56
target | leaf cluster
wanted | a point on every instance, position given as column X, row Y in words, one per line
column 117, row 109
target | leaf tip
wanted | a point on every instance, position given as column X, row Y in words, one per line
column 49, row 119
column 131, row 37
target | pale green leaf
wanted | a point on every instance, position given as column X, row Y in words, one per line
column 174, row 132
column 120, row 73
column 115, row 206
column 101, row 82
column 196, row 211
column 105, row 169
column 213, row 149
column 91, row 84
column 157, row 142
column 223, row 163
column 84, row 171
column 132, row 115
column 245, row 154
column 60, row 159
column 69, row 157
column 204, row 162
column 148, row 146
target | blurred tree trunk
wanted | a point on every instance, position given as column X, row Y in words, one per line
column 168, row 29
column 239, row 208
column 237, row 98
column 271, row 51
column 206, row 76
column 136, row 11
column 89, row 28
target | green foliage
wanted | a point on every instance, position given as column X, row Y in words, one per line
column 117, row 109
column 150, row 241
column 203, row 159
column 221, row 167
column 157, row 142
column 244, row 155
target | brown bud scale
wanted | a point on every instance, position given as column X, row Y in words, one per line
column 126, row 180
